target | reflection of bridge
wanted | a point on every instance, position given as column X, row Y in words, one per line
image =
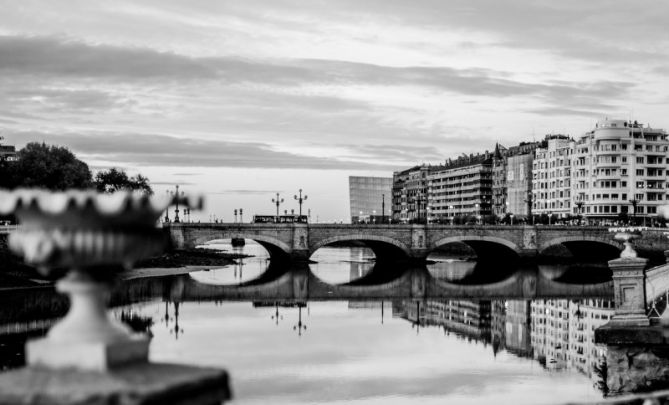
column 415, row 283
column 299, row 241
column 298, row 285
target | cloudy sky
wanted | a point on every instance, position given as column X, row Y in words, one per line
column 243, row 99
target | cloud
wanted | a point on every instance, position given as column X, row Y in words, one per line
column 51, row 56
column 60, row 57
column 162, row 150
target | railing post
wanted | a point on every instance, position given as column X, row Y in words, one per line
column 629, row 291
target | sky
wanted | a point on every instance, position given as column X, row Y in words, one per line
column 239, row 100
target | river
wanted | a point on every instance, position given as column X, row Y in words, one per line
column 367, row 352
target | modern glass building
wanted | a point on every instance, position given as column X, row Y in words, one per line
column 369, row 197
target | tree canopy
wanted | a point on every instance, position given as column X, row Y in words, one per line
column 45, row 166
column 40, row 165
column 114, row 179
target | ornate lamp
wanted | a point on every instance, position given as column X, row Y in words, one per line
column 86, row 239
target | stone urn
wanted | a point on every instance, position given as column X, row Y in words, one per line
column 626, row 238
column 85, row 239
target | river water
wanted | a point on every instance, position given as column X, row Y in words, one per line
column 370, row 352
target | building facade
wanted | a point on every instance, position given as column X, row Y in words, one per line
column 520, row 179
column 7, row 152
column 369, row 197
column 620, row 171
column 551, row 176
column 460, row 188
column 409, row 190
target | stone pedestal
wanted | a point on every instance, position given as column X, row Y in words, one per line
column 148, row 383
column 629, row 292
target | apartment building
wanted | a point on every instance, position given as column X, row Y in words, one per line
column 409, row 201
column 460, row 187
column 619, row 168
column 512, row 178
column 551, row 176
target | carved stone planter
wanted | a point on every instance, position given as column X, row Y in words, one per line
column 86, row 239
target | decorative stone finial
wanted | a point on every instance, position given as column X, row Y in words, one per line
column 626, row 238
column 87, row 237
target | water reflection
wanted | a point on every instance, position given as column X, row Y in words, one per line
column 243, row 270
column 328, row 263
column 362, row 351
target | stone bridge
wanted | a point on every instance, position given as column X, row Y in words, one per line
column 391, row 242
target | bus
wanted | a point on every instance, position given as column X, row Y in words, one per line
column 281, row 219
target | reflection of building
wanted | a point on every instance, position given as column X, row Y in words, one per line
column 563, row 332
column 367, row 196
column 585, row 317
column 517, row 328
column 469, row 318
column 498, row 325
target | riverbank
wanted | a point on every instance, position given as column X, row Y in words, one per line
column 15, row 274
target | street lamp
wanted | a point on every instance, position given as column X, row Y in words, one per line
column 579, row 204
column 299, row 326
column 374, row 215
column 278, row 202
column 241, row 215
column 477, row 212
column 167, row 210
column 300, row 199
column 634, row 203
column 235, row 215
column 450, row 208
column 176, row 200
column 383, row 208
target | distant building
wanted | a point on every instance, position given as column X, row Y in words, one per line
column 551, row 176
column 7, row 152
column 519, row 179
column 368, row 197
column 461, row 187
column 410, row 194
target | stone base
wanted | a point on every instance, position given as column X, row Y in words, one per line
column 149, row 383
column 94, row 356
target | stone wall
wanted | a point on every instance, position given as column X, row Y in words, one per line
column 637, row 368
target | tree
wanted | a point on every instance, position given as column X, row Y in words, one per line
column 43, row 166
column 112, row 180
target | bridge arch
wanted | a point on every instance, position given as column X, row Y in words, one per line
column 383, row 247
column 486, row 247
column 584, row 246
column 276, row 248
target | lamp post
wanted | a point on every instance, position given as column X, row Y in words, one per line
column 579, row 204
column 450, row 208
column 634, row 203
column 241, row 215
column 176, row 210
column 383, row 208
column 299, row 326
column 477, row 212
column 276, row 315
column 300, row 199
column 278, row 202
column 528, row 200
column 187, row 214
column 508, row 211
column 374, row 215
column 167, row 210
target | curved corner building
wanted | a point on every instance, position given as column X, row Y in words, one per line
column 619, row 169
